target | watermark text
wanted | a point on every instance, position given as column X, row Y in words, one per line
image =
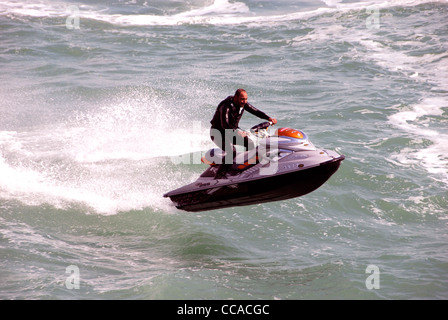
column 373, row 280
column 72, row 21
column 72, row 281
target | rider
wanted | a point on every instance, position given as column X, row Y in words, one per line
column 225, row 125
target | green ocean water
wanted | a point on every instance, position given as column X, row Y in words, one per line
column 101, row 99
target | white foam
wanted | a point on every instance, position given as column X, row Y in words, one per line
column 111, row 159
column 413, row 66
column 223, row 12
column 38, row 8
column 42, row 8
column 220, row 12
column 218, row 7
column 136, row 128
column 332, row 3
column 106, row 188
column 435, row 157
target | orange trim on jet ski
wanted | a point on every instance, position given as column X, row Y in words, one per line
column 288, row 132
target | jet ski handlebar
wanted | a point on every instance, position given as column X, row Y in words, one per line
column 261, row 126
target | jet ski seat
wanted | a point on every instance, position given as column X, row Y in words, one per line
column 242, row 160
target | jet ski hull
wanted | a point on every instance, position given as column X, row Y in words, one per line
column 269, row 188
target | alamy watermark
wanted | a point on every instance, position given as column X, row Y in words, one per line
column 73, row 280
column 373, row 280
column 373, row 20
column 72, row 21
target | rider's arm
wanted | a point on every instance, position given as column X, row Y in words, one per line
column 260, row 114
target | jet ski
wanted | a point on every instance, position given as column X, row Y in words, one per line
column 283, row 165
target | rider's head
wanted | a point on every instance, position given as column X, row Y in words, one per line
column 240, row 97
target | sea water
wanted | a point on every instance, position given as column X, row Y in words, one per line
column 100, row 100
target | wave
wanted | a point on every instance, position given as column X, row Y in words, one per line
column 220, row 12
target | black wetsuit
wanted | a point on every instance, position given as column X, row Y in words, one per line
column 225, row 122
column 228, row 115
